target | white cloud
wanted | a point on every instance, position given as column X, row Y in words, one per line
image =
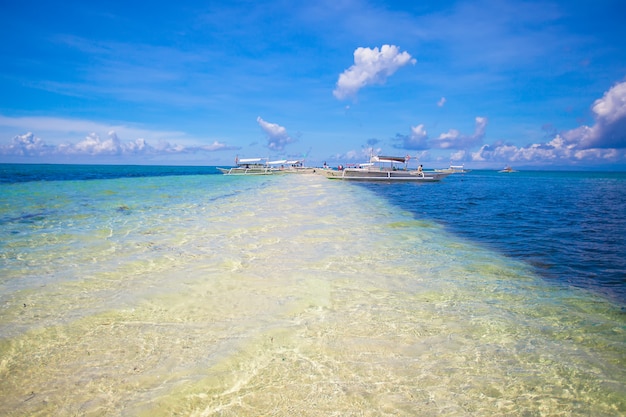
column 28, row 145
column 64, row 141
column 558, row 151
column 63, row 129
column 277, row 136
column 25, row 145
column 357, row 156
column 441, row 102
column 458, row 155
column 92, row 145
column 603, row 142
column 418, row 133
column 371, row 66
column 416, row 140
column 609, row 129
column 216, row 146
column 453, row 139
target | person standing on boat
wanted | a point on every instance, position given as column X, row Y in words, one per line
column 420, row 170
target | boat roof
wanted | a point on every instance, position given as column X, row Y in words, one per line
column 250, row 160
column 392, row 159
column 285, row 162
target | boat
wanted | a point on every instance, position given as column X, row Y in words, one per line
column 385, row 168
column 507, row 169
column 286, row 166
column 249, row 166
column 454, row 169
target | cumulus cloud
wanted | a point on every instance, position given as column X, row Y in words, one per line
column 458, row 156
column 453, row 139
column 603, row 142
column 361, row 155
column 92, row 145
column 216, row 146
column 277, row 136
column 28, row 145
column 371, row 66
column 56, row 129
column 417, row 140
column 558, row 150
column 609, row 129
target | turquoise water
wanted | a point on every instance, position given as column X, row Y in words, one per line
column 203, row 294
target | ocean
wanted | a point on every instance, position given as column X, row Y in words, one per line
column 161, row 291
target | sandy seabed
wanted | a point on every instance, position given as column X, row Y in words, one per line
column 319, row 301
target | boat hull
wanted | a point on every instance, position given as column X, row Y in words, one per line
column 298, row 170
column 246, row 171
column 356, row 174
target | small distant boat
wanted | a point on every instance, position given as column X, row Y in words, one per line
column 454, row 169
column 249, row 166
column 385, row 168
column 507, row 169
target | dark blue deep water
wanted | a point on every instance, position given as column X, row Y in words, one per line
column 570, row 226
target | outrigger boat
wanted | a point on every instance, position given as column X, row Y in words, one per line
column 454, row 169
column 285, row 166
column 249, row 166
column 385, row 168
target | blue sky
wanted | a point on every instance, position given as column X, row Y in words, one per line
column 484, row 83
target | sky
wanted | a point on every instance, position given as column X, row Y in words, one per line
column 485, row 83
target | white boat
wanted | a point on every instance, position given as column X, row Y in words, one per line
column 286, row 166
column 249, row 166
column 385, row 168
column 507, row 169
column 454, row 169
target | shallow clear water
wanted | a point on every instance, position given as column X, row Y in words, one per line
column 287, row 295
